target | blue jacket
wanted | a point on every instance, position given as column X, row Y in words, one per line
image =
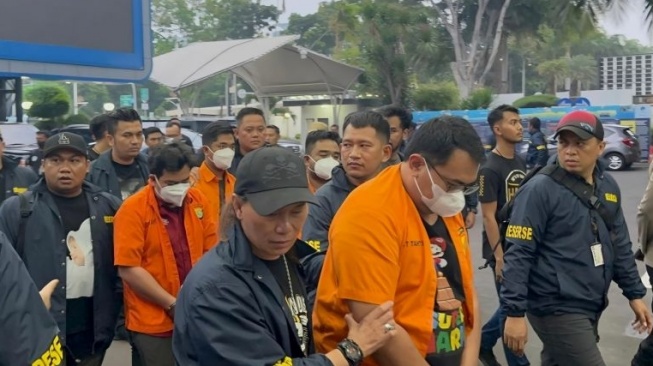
column 44, row 253
column 231, row 311
column 329, row 198
column 538, row 151
column 549, row 268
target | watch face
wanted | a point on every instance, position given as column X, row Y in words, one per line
column 352, row 352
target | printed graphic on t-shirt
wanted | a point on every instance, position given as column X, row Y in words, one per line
column 513, row 180
column 448, row 320
column 299, row 313
column 129, row 186
column 79, row 263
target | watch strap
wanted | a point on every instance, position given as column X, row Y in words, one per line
column 343, row 345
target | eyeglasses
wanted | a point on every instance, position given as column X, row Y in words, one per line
column 466, row 189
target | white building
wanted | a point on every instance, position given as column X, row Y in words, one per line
column 627, row 72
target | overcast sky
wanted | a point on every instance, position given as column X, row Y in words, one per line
column 631, row 24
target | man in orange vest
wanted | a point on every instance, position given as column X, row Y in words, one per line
column 160, row 232
column 416, row 253
column 214, row 179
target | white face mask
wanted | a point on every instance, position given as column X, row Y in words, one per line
column 223, row 158
column 443, row 203
column 323, row 167
column 174, row 194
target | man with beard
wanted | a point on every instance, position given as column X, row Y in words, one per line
column 499, row 179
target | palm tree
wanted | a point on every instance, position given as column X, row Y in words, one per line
column 554, row 70
column 598, row 7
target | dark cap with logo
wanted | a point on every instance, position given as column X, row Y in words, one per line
column 65, row 141
column 583, row 124
column 271, row 178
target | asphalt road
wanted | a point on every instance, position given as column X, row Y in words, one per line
column 617, row 349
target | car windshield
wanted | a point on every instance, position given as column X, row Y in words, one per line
column 18, row 134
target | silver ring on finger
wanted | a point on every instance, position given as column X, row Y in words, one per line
column 388, row 327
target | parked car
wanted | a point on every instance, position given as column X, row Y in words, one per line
column 79, row 129
column 622, row 148
column 522, row 148
column 293, row 145
column 195, row 137
column 19, row 139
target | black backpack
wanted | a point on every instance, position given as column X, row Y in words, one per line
column 565, row 179
column 25, row 212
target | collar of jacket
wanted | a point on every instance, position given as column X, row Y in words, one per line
column 241, row 253
column 41, row 187
column 599, row 170
column 8, row 163
column 339, row 179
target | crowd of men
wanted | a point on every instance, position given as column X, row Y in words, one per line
column 357, row 253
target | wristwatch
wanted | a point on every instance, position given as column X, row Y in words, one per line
column 351, row 351
column 473, row 210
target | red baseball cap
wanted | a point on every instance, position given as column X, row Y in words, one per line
column 583, row 124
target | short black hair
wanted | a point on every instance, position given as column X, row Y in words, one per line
column 170, row 157
column 404, row 115
column 99, row 126
column 121, row 114
column 174, row 122
column 314, row 136
column 248, row 111
column 369, row 119
column 45, row 133
column 214, row 130
column 496, row 114
column 535, row 123
column 438, row 138
column 275, row 128
column 150, row 130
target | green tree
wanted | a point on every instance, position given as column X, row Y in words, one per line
column 583, row 69
column 314, row 31
column 95, row 95
column 555, row 71
column 436, row 97
column 480, row 98
column 177, row 22
column 49, row 100
column 475, row 43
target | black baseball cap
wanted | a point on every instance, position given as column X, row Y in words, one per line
column 65, row 141
column 583, row 124
column 271, row 178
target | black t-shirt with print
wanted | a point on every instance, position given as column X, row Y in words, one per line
column 75, row 218
column 448, row 341
column 129, row 178
column 499, row 179
column 297, row 306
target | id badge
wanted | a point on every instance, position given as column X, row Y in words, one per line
column 597, row 254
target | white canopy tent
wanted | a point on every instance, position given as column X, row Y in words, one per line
column 273, row 67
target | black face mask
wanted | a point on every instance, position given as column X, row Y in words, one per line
column 41, row 144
